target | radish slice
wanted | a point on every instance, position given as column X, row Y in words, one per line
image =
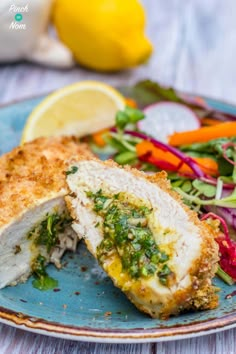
column 165, row 118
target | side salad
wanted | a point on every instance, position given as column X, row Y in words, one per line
column 162, row 130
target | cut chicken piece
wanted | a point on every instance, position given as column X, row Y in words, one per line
column 34, row 220
column 152, row 246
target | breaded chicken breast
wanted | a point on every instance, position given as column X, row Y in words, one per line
column 34, row 221
column 151, row 245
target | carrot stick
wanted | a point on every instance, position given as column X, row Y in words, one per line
column 130, row 102
column 144, row 147
column 210, row 121
column 98, row 137
column 204, row 134
column 208, row 165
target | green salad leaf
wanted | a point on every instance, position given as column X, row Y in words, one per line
column 128, row 116
column 204, row 188
column 147, row 92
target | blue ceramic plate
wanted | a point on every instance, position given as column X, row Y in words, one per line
column 86, row 305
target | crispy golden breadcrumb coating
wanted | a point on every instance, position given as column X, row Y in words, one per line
column 36, row 170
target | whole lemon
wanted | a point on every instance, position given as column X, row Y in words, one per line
column 105, row 35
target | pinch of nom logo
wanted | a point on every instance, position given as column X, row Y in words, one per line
column 17, row 11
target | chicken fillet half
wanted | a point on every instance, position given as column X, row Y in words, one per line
column 151, row 245
column 35, row 224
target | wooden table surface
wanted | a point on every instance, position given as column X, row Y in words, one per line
column 195, row 51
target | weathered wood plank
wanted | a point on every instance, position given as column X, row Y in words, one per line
column 21, row 342
column 219, row 343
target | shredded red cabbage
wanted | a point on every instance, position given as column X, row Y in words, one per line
column 228, row 214
column 227, row 247
column 222, row 221
column 213, row 181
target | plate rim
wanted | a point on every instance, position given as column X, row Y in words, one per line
column 134, row 335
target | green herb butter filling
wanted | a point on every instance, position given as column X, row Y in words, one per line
column 44, row 237
column 42, row 281
column 126, row 231
column 46, row 233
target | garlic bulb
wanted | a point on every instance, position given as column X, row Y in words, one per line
column 24, row 34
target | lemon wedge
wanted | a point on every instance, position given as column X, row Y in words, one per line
column 78, row 109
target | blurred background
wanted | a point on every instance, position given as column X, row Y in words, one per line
column 194, row 50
